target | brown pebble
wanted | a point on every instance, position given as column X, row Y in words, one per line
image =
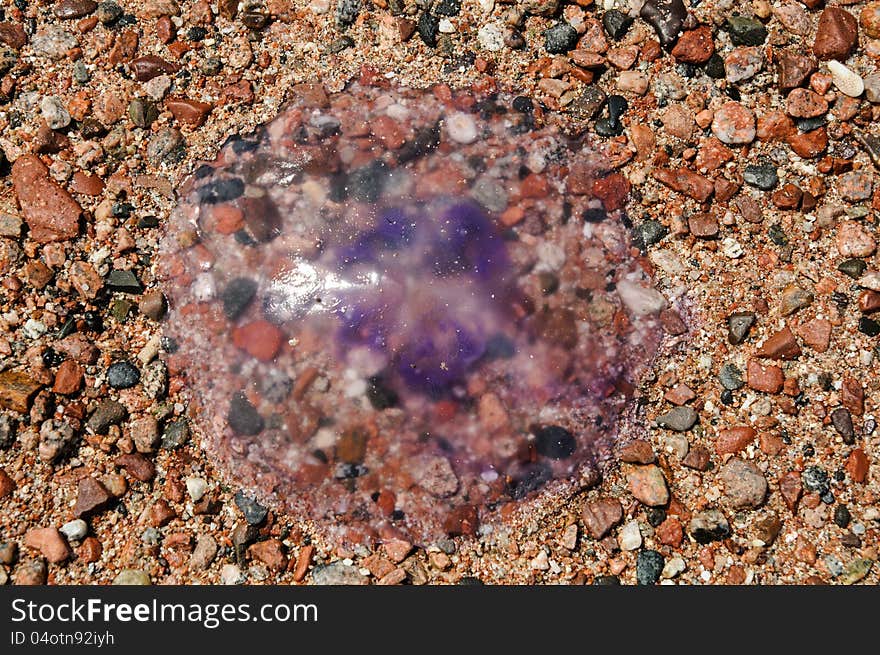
column 794, row 69
column 303, row 560
column 780, row 345
column 698, row 458
column 30, row 573
column 91, row 495
column 16, row 390
column 137, row 466
column 161, row 513
column 816, row 334
column 687, row 182
column 648, row 485
column 49, row 542
column 768, row 379
column 89, row 551
column 695, row 46
column 191, row 113
column 852, row 395
column 7, row 484
column 791, row 488
column 69, row 378
column 270, row 553
column 146, row 68
column 86, row 184
column 601, row 515
column 637, row 451
column 13, row 35
column 703, row 226
column 51, row 213
column 836, row 35
column 68, row 9
column 857, row 465
column 733, row 440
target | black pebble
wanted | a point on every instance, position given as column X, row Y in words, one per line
column 254, row 513
column 594, row 215
column 447, row 7
column 649, row 566
column 237, row 295
column 123, row 375
column 221, row 191
column 816, row 479
column 428, row 28
column 714, row 67
column 347, row 11
column 869, row 326
column 666, row 17
column 761, row 176
column 616, row 23
column 606, row 581
column 656, row 516
column 853, row 267
column 842, row 516
column 243, row 417
column 555, row 442
column 560, row 38
column 381, row 396
column 126, row 281
column 93, row 321
column 523, row 104
column 51, row 358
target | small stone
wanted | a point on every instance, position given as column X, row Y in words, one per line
column 804, row 103
column 854, row 268
column 857, row 465
column 51, row 213
column 793, row 69
column 230, row 574
column 743, row 63
column 560, row 38
column 745, row 30
column 31, row 572
column 75, row 530
column 243, row 417
column 108, row 12
column 107, row 413
column 846, row 80
column 53, row 42
column 196, row 488
column 694, row 46
column 91, row 496
column 815, row 479
column 49, row 542
column 680, row 419
column 601, row 515
column 687, row 182
column 697, row 458
column 16, row 390
column 7, row 484
column 616, row 23
column 254, row 512
column 68, row 379
column 794, row 298
column 761, row 176
column 768, row 379
column 145, row 434
column 853, row 240
column 836, row 35
column 67, row 9
column 738, row 326
column 637, row 451
column 843, row 423
column 734, row 124
column 649, row 566
column 54, row 113
column 131, row 578
column 708, row 525
column 648, row 485
column 780, row 345
column 666, row 17
column 203, row 554
column 137, row 466
column 649, row 232
column 735, row 439
column 856, row 571
column 338, row 573
column 630, row 537
column 123, row 375
column 153, row 305
column 192, row 113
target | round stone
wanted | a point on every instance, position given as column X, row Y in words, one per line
column 123, row 375
column 734, row 124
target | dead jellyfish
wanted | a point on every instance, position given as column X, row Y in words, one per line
column 402, row 311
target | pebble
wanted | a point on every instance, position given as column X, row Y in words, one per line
column 196, row 488
column 846, row 80
column 123, row 375
column 600, row 516
column 231, row 574
column 616, row 23
column 649, row 566
column 694, row 46
column 856, row 571
column 744, row 484
column 203, row 554
column 853, row 240
column 91, row 495
column 75, row 530
column 734, row 124
column 745, row 30
column 461, row 128
column 54, row 113
column 16, row 390
column 131, row 577
column 53, row 42
column 49, row 210
column 108, row 12
column 192, row 113
column 738, row 326
column 666, row 17
column 67, row 9
column 50, row 542
column 254, row 512
column 560, row 38
column 680, row 419
column 708, row 525
column 780, row 345
column 743, row 63
column 793, row 69
column 675, row 566
column 648, row 485
column 836, row 35
column 761, row 176
column 337, row 573
column 633, row 81
column 137, row 466
column 491, row 37
column 30, row 572
column 630, row 536
column 794, row 298
column 804, row 103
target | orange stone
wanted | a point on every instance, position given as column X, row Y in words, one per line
column 733, row 440
column 857, row 465
column 768, row 379
column 69, row 378
column 260, row 339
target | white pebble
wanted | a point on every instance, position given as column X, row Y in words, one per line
column 673, row 567
column 196, row 488
column 870, row 280
column 74, row 530
column 630, row 537
column 231, row 574
column 846, row 80
column 731, row 248
column 446, row 26
column 461, row 128
column 491, row 37
column 486, row 6
column 639, row 300
column 54, row 113
column 34, row 329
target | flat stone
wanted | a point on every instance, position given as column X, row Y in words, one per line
column 743, row 63
column 687, row 182
column 857, row 465
column 735, row 439
column 738, row 326
column 49, row 210
column 780, row 345
column 137, row 466
column 91, row 496
column 601, row 515
column 734, row 124
column 192, row 113
column 793, row 69
column 49, row 542
column 695, row 46
column 745, row 30
column 337, row 573
column 816, row 333
column 836, row 35
column 648, row 485
column 16, row 390
column 68, row 378
column 680, row 419
column 744, row 484
column 697, row 458
column 854, row 240
column 270, row 552
column 768, row 379
column 805, row 103
column 794, row 298
column 637, row 451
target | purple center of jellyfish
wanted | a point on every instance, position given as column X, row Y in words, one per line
column 424, row 288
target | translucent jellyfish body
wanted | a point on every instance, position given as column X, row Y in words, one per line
column 400, row 311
